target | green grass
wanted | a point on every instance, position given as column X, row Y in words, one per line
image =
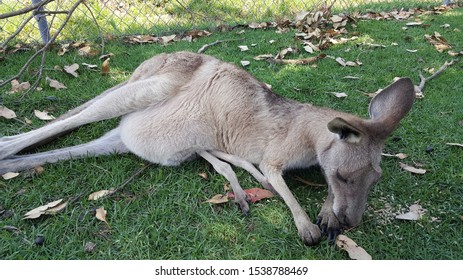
column 162, row 215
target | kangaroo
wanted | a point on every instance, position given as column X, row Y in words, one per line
column 179, row 106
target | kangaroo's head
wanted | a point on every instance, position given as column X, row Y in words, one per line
column 352, row 161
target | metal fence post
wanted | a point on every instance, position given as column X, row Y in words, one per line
column 42, row 22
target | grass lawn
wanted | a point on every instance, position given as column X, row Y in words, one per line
column 161, row 214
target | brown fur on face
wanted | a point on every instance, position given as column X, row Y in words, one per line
column 181, row 105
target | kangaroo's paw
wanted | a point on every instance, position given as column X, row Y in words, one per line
column 329, row 225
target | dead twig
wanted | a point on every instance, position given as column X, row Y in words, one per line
column 206, row 46
column 130, row 179
column 423, row 80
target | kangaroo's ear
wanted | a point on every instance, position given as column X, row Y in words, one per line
column 389, row 106
column 346, row 131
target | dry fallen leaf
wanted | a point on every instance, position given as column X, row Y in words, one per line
column 399, row 155
column 87, row 51
column 7, row 113
column 100, row 214
column 10, row 175
column 355, row 252
column 415, row 213
column 43, row 115
column 218, row 199
column 100, row 194
column 37, row 212
column 339, row 94
column 245, row 63
column 439, row 42
column 18, row 87
column 71, row 69
column 204, row 175
column 283, row 53
column 412, row 169
column 167, row 39
column 254, row 194
column 54, row 83
column 243, row 48
column 63, row 49
column 56, row 209
column 105, row 67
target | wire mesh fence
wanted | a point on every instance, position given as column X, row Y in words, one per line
column 93, row 18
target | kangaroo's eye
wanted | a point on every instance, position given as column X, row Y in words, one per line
column 340, row 177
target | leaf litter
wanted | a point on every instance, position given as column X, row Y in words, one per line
column 47, row 209
column 355, row 252
column 254, row 195
column 7, row 113
column 415, row 213
column 43, row 115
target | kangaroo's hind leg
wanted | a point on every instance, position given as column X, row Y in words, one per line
column 125, row 99
column 225, row 170
column 107, row 144
column 246, row 165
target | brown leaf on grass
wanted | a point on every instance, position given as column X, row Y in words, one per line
column 71, row 69
column 18, row 87
column 204, row 175
column 339, row 94
column 415, row 213
column 142, row 39
column 355, row 252
column 218, row 199
column 43, row 115
column 63, row 49
column 100, row 214
column 412, row 169
column 245, row 63
column 341, row 61
column 87, row 51
column 243, row 48
column 39, row 211
column 10, row 175
column 254, row 194
column 54, row 83
column 399, row 155
column 7, row 113
column 452, row 53
column 100, row 194
column 56, row 209
column 167, row 39
column 439, row 42
column 284, row 52
column 105, row 67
